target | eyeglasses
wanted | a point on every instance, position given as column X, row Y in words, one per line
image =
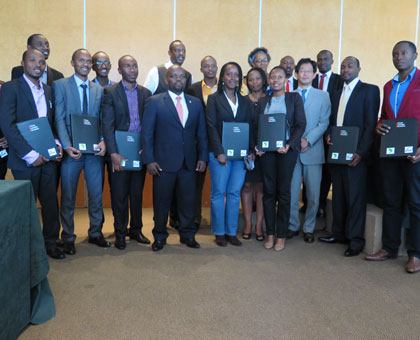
column 99, row 63
column 262, row 60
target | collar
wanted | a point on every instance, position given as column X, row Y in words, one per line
column 203, row 84
column 32, row 85
column 301, row 89
column 353, row 83
column 328, row 74
column 169, row 64
column 97, row 82
column 291, row 78
column 126, row 88
column 80, row 81
column 174, row 95
column 410, row 76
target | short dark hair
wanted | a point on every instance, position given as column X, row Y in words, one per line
column 410, row 44
column 355, row 59
column 208, row 56
column 305, row 61
column 220, row 85
column 31, row 37
column 94, row 55
column 124, row 56
column 278, row 67
column 174, row 42
column 263, row 76
column 326, row 51
column 254, row 52
column 26, row 52
column 78, row 50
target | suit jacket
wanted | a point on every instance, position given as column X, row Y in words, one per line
column 295, row 117
column 361, row 111
column 17, row 105
column 52, row 74
column 317, row 112
column 115, row 113
column 67, row 102
column 335, row 84
column 166, row 141
column 218, row 111
column 410, row 105
column 197, row 91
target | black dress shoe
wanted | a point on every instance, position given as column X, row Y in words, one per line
column 120, row 243
column 351, row 252
column 190, row 242
column 291, row 233
column 56, row 253
column 308, row 237
column 59, row 243
column 330, row 239
column 158, row 245
column 99, row 241
column 139, row 237
column 69, row 248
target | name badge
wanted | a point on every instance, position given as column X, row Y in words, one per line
column 3, row 153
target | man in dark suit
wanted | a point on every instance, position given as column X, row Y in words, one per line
column 202, row 89
column 122, row 110
column 24, row 99
column 356, row 105
column 3, row 150
column 289, row 65
column 174, row 132
column 39, row 42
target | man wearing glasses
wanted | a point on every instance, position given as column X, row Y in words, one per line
column 101, row 64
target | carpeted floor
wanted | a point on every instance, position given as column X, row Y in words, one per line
column 308, row 291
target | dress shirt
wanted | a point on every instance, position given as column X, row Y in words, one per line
column 44, row 77
column 80, row 89
column 290, row 82
column 326, row 80
column 398, row 90
column 350, row 87
column 233, row 106
column 183, row 103
column 299, row 90
column 133, row 108
column 207, row 90
column 110, row 82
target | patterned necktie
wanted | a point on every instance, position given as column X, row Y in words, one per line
column 179, row 110
column 85, row 101
column 321, row 84
column 342, row 105
column 304, row 95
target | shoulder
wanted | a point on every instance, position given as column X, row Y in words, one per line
column 369, row 87
column 58, row 74
column 62, row 82
column 144, row 91
column 321, row 94
column 95, row 87
column 192, row 100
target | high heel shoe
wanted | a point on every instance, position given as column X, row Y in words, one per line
column 259, row 237
column 268, row 244
column 246, row 236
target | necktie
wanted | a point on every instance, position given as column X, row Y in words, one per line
column 85, row 101
column 287, row 86
column 342, row 105
column 303, row 95
column 321, row 84
column 179, row 110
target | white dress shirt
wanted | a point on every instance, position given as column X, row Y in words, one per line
column 185, row 112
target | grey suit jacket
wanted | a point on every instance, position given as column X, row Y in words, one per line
column 317, row 111
column 67, row 102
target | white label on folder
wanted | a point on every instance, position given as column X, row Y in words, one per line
column 408, row 149
column 334, row 155
column 279, row 144
column 52, row 152
column 230, row 152
column 82, row 146
column 3, row 153
column 136, row 164
column 265, row 144
column 243, row 153
column 122, row 163
column 96, row 147
column 86, row 122
column 390, row 151
column 349, row 156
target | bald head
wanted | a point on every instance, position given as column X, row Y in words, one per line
column 209, row 67
column 176, row 79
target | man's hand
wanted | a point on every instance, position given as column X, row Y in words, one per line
column 40, row 161
column 201, row 166
column 259, row 153
column 60, row 154
column 382, row 129
column 304, row 145
column 116, row 159
column 222, row 159
column 416, row 157
column 154, row 169
column 355, row 160
column 73, row 153
column 3, row 143
column 328, row 140
column 102, row 148
column 283, row 150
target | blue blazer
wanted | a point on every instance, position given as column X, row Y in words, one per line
column 166, row 141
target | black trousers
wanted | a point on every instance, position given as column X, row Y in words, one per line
column 349, row 203
column 127, row 190
column 43, row 179
column 3, row 169
column 400, row 177
column 277, row 173
column 182, row 184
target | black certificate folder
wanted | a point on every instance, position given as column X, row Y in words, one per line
column 271, row 131
column 85, row 133
column 344, row 139
column 235, row 140
column 37, row 132
column 128, row 144
column 401, row 140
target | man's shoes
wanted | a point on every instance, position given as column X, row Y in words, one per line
column 413, row 265
column 233, row 240
column 174, row 223
column 381, row 255
column 308, row 237
column 69, row 248
column 197, row 226
column 99, row 241
column 158, row 245
column 139, row 237
column 351, row 252
column 221, row 240
column 302, row 209
column 291, row 234
column 55, row 253
column 190, row 242
column 120, row 243
column 330, row 239
column 59, row 243
column 321, row 212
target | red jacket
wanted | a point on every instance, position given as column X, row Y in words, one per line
column 410, row 105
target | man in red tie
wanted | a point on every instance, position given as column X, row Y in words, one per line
column 174, row 144
column 289, row 64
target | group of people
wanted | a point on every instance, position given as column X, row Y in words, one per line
column 181, row 126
